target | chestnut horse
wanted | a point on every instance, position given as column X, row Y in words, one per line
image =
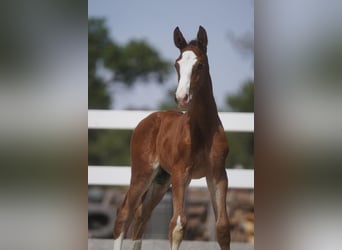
column 171, row 148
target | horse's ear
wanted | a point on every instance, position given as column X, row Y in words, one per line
column 178, row 38
column 202, row 38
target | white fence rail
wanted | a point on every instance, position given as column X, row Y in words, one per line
column 127, row 119
column 122, row 119
column 120, row 176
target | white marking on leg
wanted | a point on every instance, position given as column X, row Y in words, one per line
column 186, row 64
column 118, row 242
column 179, row 224
column 137, row 245
column 177, row 234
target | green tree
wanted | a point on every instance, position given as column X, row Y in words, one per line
column 98, row 40
column 241, row 145
column 125, row 64
column 244, row 100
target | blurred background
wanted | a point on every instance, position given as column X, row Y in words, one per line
column 43, row 124
column 298, row 139
column 130, row 66
column 43, row 108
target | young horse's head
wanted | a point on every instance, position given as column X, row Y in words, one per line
column 192, row 66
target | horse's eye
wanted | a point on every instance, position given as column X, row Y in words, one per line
column 200, row 66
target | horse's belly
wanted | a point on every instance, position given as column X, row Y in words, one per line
column 198, row 174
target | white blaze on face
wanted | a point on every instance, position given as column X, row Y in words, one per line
column 186, row 64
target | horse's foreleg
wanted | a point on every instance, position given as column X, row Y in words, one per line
column 218, row 184
column 178, row 220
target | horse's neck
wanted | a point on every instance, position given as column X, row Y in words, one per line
column 204, row 119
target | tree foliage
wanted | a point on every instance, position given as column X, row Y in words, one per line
column 244, row 100
column 241, row 145
column 126, row 64
column 109, row 147
column 136, row 61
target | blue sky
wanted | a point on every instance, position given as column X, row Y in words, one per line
column 155, row 21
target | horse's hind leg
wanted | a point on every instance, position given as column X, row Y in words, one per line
column 143, row 152
column 125, row 212
column 150, row 200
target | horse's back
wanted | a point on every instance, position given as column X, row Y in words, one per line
column 154, row 120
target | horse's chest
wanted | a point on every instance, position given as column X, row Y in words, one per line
column 200, row 165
